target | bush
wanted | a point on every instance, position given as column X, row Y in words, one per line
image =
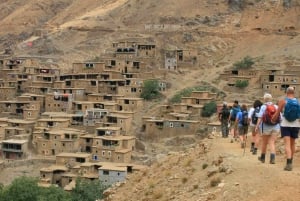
column 241, row 83
column 150, row 90
column 246, row 63
column 209, row 109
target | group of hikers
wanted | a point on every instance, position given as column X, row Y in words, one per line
column 266, row 121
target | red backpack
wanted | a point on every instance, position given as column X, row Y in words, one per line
column 268, row 115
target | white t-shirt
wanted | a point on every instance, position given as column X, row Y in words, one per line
column 250, row 113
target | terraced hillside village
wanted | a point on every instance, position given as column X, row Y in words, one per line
column 72, row 74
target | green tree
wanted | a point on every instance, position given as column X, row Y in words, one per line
column 209, row 109
column 245, row 63
column 21, row 189
column 54, row 194
column 26, row 188
column 87, row 190
column 241, row 83
column 150, row 90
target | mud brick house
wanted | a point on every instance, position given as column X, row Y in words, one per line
column 7, row 92
column 72, row 159
column 26, row 125
column 134, row 65
column 52, row 175
column 130, row 104
column 132, row 88
column 16, row 108
column 58, row 102
column 101, row 97
column 87, row 70
column 75, row 119
column 53, row 123
column 119, row 120
column 126, row 49
column 110, row 148
column 58, row 140
column 14, row 149
column 160, row 128
column 277, row 82
column 11, row 66
column 35, row 98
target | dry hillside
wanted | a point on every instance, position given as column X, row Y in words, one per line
column 67, row 31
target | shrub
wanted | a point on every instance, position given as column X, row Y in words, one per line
column 150, row 90
column 204, row 166
column 241, row 83
column 245, row 63
column 209, row 109
column 215, row 181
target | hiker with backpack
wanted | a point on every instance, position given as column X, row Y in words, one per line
column 242, row 121
column 232, row 119
column 252, row 115
column 289, row 125
column 269, row 129
column 223, row 118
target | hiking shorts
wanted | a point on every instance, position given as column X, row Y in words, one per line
column 269, row 130
column 289, row 132
column 243, row 130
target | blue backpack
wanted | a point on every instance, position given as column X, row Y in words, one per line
column 291, row 109
column 234, row 112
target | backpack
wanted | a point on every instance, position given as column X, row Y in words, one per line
column 225, row 113
column 254, row 117
column 291, row 109
column 269, row 113
column 245, row 119
column 234, row 112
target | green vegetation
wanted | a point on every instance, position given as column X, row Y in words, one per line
column 241, row 83
column 150, row 90
column 209, row 109
column 245, row 63
column 26, row 188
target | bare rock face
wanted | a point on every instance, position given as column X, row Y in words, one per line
column 236, row 4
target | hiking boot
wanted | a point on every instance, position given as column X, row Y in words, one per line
column 231, row 140
column 261, row 159
column 288, row 167
column 254, row 151
column 272, row 158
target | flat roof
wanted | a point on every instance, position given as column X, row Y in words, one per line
column 113, row 167
column 21, row 121
column 64, row 154
column 53, row 168
column 14, row 141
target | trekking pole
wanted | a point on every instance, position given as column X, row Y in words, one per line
column 245, row 145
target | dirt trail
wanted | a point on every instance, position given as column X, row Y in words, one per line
column 182, row 177
column 253, row 180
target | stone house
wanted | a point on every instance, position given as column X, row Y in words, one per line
column 94, row 116
column 14, row 149
column 111, row 174
column 180, row 58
